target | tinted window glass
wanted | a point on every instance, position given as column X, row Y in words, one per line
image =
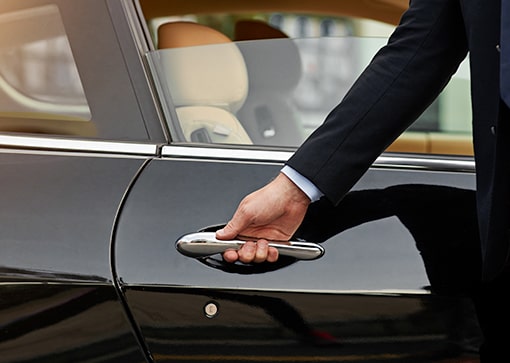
column 40, row 87
column 276, row 92
column 73, row 69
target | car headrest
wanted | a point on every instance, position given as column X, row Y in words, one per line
column 213, row 74
column 186, row 34
column 250, row 29
column 274, row 62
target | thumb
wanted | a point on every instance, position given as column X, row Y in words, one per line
column 235, row 226
column 227, row 232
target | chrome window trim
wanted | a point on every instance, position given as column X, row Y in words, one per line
column 422, row 162
column 415, row 162
column 225, row 153
column 78, row 145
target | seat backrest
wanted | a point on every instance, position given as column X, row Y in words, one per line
column 274, row 69
column 207, row 79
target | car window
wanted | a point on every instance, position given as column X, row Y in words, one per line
column 69, row 68
column 40, row 86
column 275, row 92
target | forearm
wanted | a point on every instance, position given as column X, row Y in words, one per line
column 401, row 81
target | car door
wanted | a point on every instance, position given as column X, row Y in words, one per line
column 368, row 297
column 72, row 139
column 382, row 291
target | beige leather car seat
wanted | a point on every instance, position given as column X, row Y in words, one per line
column 274, row 69
column 207, row 80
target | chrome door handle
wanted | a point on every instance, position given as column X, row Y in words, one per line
column 203, row 244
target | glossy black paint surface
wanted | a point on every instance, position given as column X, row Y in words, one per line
column 57, row 299
column 299, row 326
column 63, row 322
column 371, row 289
column 375, row 253
column 58, row 211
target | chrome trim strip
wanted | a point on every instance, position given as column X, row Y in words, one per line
column 58, row 144
column 225, row 153
column 374, row 292
column 418, row 162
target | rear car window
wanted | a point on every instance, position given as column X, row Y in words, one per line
column 291, row 84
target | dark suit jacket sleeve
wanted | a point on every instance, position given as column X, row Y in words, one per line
column 401, row 81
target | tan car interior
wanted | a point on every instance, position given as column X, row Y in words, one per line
column 232, row 129
column 268, row 114
column 208, row 85
column 20, row 112
column 388, row 11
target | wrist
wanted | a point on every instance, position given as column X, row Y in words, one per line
column 292, row 190
column 303, row 183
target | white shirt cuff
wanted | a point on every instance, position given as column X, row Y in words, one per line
column 302, row 183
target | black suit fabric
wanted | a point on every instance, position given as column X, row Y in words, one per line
column 404, row 77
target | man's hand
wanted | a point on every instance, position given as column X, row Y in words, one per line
column 273, row 213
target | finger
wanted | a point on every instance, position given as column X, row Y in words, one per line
column 261, row 251
column 241, row 219
column 247, row 252
column 230, row 256
column 233, row 227
column 226, row 233
column 272, row 254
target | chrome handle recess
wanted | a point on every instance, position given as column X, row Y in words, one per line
column 203, row 244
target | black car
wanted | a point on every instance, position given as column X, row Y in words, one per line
column 129, row 132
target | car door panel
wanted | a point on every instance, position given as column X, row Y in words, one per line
column 77, row 123
column 369, row 291
column 58, row 302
